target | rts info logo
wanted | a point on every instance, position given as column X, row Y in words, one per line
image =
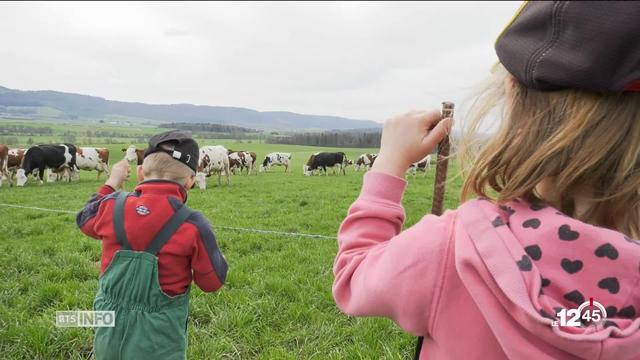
column 589, row 313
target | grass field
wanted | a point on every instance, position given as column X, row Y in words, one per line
column 277, row 302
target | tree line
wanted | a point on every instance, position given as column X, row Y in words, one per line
column 330, row 139
column 205, row 127
column 25, row 130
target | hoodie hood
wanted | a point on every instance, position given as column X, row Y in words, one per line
column 540, row 261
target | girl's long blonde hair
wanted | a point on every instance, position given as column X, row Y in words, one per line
column 583, row 146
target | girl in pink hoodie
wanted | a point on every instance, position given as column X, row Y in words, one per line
column 557, row 204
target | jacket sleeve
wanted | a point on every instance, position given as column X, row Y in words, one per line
column 208, row 265
column 86, row 218
column 381, row 271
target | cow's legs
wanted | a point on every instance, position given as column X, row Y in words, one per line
column 41, row 175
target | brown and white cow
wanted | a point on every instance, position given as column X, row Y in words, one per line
column 132, row 154
column 213, row 160
column 89, row 158
column 14, row 163
column 4, row 164
column 422, row 165
column 242, row 160
column 365, row 161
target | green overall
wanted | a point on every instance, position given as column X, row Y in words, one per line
column 149, row 324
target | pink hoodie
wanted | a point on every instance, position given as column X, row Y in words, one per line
column 479, row 282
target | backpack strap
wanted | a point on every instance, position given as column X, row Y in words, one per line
column 168, row 229
column 118, row 221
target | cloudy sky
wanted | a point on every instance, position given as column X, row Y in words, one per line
column 358, row 60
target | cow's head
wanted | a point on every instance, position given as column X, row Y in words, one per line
column 203, row 163
column 266, row 162
column 201, row 180
column 21, row 177
column 306, row 170
column 130, row 153
column 52, row 176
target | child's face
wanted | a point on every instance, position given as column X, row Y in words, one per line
column 190, row 182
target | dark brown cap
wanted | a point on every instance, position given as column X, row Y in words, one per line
column 590, row 45
column 185, row 149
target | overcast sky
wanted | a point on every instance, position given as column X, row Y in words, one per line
column 358, row 60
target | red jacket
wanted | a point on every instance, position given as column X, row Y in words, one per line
column 192, row 252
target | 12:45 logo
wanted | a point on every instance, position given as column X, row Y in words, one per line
column 589, row 313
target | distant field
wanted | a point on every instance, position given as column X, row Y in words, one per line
column 277, row 302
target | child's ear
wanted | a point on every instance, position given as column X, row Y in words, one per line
column 139, row 173
column 190, row 182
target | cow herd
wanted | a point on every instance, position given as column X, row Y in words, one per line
column 63, row 162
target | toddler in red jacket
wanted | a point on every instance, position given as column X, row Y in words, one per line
column 153, row 247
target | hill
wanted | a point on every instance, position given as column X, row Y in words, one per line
column 60, row 106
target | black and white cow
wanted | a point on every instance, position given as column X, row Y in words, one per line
column 323, row 160
column 276, row 158
column 58, row 158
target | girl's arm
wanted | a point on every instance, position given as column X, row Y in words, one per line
column 381, row 271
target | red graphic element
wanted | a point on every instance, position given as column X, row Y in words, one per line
column 634, row 86
column 591, row 302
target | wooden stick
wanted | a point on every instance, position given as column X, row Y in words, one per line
column 437, row 205
column 442, row 164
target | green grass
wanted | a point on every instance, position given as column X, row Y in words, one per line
column 277, row 302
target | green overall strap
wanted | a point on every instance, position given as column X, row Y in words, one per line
column 118, row 221
column 168, row 230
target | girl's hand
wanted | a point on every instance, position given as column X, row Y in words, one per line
column 409, row 138
column 119, row 174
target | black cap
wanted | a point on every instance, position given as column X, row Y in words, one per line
column 589, row 45
column 185, row 148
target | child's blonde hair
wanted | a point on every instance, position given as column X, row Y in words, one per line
column 585, row 145
column 161, row 165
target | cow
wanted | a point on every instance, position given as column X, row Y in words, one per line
column 14, row 163
column 132, row 154
column 59, row 158
column 242, row 160
column 89, row 158
column 323, row 160
column 4, row 164
column 422, row 165
column 213, row 160
column 276, row 158
column 365, row 161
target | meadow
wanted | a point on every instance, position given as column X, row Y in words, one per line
column 277, row 301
